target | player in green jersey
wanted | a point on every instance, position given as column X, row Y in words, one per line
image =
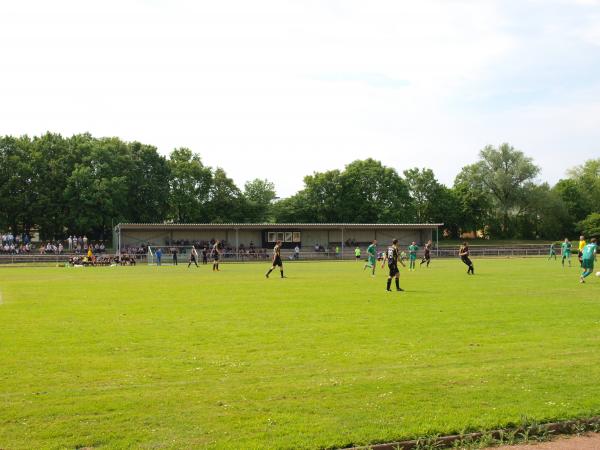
column 372, row 258
column 552, row 252
column 357, row 253
column 412, row 256
column 588, row 255
column 565, row 250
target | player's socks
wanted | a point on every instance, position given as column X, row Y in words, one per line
column 389, row 283
column 398, row 284
column 586, row 273
column 282, row 274
column 268, row 273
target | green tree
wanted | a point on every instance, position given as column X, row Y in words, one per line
column 17, row 196
column 190, row 184
column 474, row 205
column 259, row 195
column 543, row 214
column 322, row 193
column 97, row 189
column 504, row 175
column 590, row 226
column 372, row 192
column 148, row 181
column 52, row 166
column 226, row 202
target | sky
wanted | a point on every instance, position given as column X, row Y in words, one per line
column 280, row 89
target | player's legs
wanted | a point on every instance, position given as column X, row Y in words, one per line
column 468, row 262
column 398, row 288
column 270, row 270
column 588, row 268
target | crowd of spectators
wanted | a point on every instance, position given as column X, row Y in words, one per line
column 104, row 260
column 15, row 245
column 22, row 245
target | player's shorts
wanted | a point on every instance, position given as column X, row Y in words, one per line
column 192, row 258
column 426, row 256
column 393, row 270
column 215, row 257
column 277, row 261
column 587, row 263
column 412, row 256
column 466, row 260
column 372, row 260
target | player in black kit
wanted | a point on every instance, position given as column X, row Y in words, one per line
column 426, row 254
column 392, row 259
column 276, row 259
column 216, row 255
column 193, row 257
column 464, row 256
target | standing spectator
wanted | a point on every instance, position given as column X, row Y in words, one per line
column 158, row 256
column 296, row 252
column 85, row 242
column 174, row 251
column 70, row 243
column 60, row 248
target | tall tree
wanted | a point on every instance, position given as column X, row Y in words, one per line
column 148, row 184
column 17, row 196
column 474, row 203
column 97, row 189
column 259, row 195
column 504, row 174
column 372, row 192
column 226, row 202
column 190, row 185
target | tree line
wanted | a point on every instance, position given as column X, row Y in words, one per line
column 86, row 185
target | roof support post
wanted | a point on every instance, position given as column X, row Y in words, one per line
column 237, row 244
column 342, row 257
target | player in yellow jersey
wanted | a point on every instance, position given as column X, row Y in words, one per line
column 582, row 244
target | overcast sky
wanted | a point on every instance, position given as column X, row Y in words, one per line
column 280, row 89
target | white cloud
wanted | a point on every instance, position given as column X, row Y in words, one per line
column 307, row 85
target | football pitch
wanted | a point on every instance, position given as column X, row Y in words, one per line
column 171, row 357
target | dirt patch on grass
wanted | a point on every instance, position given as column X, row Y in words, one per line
column 587, row 442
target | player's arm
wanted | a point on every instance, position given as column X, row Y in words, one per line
column 385, row 257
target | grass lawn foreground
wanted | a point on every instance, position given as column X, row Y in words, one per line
column 171, row 357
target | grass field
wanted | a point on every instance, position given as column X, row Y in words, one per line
column 147, row 357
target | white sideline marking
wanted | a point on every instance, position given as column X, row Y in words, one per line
column 0, row 297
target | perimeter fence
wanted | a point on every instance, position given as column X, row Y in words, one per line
column 264, row 255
